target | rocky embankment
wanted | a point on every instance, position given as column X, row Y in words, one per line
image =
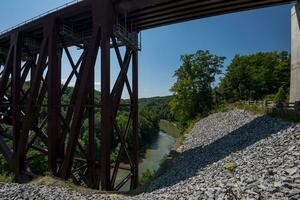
column 264, row 151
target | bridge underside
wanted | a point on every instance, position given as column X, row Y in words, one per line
column 31, row 66
column 138, row 15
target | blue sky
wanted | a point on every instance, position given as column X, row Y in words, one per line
column 240, row 33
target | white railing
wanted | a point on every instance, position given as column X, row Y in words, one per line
column 41, row 15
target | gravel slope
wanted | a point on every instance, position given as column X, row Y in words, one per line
column 266, row 152
column 42, row 192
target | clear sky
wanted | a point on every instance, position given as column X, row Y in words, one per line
column 240, row 33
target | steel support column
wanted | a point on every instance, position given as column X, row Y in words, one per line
column 53, row 86
column 81, row 95
column 105, row 11
column 91, row 165
column 135, row 123
column 31, row 108
column 106, row 111
column 16, row 88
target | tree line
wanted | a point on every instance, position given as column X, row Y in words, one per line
column 263, row 75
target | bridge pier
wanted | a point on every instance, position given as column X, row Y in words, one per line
column 295, row 54
column 54, row 129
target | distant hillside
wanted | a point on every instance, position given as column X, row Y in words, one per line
column 159, row 105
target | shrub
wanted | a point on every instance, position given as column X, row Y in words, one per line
column 280, row 95
column 146, row 177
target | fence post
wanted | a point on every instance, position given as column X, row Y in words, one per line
column 265, row 103
column 297, row 106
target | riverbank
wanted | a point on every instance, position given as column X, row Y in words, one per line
column 168, row 161
column 165, row 126
column 170, row 128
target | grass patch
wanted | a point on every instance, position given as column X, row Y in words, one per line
column 6, row 178
column 222, row 108
column 284, row 114
column 169, row 127
column 255, row 109
column 146, row 177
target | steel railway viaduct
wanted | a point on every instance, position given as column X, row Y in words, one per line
column 31, row 57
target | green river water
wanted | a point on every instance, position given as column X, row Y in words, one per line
column 153, row 157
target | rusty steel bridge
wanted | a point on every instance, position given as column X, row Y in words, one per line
column 31, row 64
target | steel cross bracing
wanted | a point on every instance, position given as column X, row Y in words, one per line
column 31, row 71
column 31, row 65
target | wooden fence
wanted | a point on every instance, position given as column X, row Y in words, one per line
column 270, row 104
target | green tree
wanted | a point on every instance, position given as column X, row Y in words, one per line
column 193, row 90
column 255, row 76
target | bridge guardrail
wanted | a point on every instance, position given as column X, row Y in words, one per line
column 39, row 16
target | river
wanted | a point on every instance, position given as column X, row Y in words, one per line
column 153, row 156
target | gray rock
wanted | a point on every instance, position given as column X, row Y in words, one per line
column 266, row 152
column 263, row 148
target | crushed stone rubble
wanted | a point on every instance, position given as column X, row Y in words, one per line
column 264, row 151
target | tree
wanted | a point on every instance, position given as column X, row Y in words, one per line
column 192, row 90
column 256, row 76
